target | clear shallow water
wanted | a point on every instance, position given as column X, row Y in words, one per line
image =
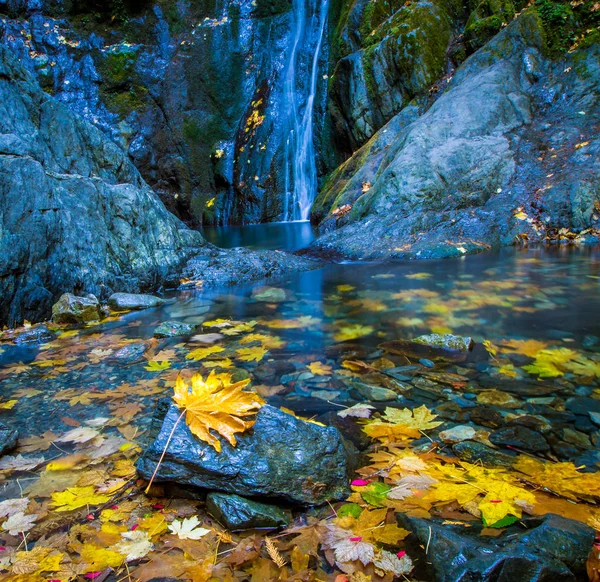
column 338, row 313
column 283, row 236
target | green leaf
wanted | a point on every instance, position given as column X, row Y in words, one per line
column 375, row 493
column 350, row 509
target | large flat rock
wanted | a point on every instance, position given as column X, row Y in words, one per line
column 282, row 458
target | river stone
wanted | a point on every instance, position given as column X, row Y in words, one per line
column 269, row 294
column 34, row 335
column 282, row 458
column 457, row 434
column 374, row 393
column 552, row 548
column 582, row 405
column 519, row 437
column 235, row 512
column 174, row 329
column 421, row 350
column 474, row 452
column 133, row 301
column 448, row 341
column 8, row 438
column 72, row 309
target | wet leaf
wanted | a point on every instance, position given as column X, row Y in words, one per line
column 76, row 497
column 252, row 354
column 187, row 529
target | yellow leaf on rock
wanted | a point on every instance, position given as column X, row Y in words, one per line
column 8, row 405
column 158, row 366
column 216, row 404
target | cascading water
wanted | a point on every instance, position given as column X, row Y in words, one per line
column 309, row 19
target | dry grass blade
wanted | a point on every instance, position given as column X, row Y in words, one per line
column 274, row 552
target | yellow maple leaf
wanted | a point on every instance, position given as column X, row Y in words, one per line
column 401, row 425
column 216, row 404
column 320, row 369
column 527, row 347
column 201, row 353
column 252, row 354
column 158, row 366
column 97, row 558
column 350, row 332
column 76, row 497
column 8, row 405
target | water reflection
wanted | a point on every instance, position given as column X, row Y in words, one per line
column 283, row 236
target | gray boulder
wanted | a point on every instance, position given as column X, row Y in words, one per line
column 72, row 309
column 75, row 215
column 282, row 458
column 174, row 329
column 236, row 512
column 465, row 175
column 133, row 301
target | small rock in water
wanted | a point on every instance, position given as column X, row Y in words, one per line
column 457, row 434
column 8, row 438
column 474, row 452
column 236, row 513
column 427, row 363
column 521, row 438
column 129, row 354
column 133, row 301
column 174, row 329
column 72, row 309
column 590, row 342
column 34, row 335
column 269, row 294
column 374, row 393
column 448, row 341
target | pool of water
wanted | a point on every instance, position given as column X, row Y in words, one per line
column 331, row 315
column 283, row 236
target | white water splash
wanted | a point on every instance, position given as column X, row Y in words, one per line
column 309, row 19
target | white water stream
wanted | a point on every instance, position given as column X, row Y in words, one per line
column 309, row 19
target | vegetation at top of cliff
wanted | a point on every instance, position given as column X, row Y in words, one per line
column 569, row 25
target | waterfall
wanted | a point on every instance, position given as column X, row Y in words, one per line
column 308, row 21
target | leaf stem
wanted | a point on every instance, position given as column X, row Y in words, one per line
column 164, row 451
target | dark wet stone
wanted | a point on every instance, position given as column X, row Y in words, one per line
column 235, row 512
column 34, row 335
column 374, row 393
column 485, row 416
column 532, row 422
column 552, row 548
column 72, row 309
column 348, row 427
column 427, row 363
column 589, row 461
column 419, row 349
column 174, row 329
column 521, row 438
column 584, row 424
column 475, row 452
column 447, row 341
column 128, row 354
column 582, row 405
column 563, row 450
column 133, row 301
column 519, row 387
column 576, row 438
column 549, row 413
column 281, row 458
column 452, row 411
column 8, row 438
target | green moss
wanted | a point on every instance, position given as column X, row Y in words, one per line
column 558, row 22
column 121, row 89
column 488, row 18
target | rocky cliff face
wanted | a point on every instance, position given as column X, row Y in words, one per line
column 509, row 151
column 75, row 214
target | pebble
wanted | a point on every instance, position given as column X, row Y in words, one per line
column 458, row 434
column 426, row 363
